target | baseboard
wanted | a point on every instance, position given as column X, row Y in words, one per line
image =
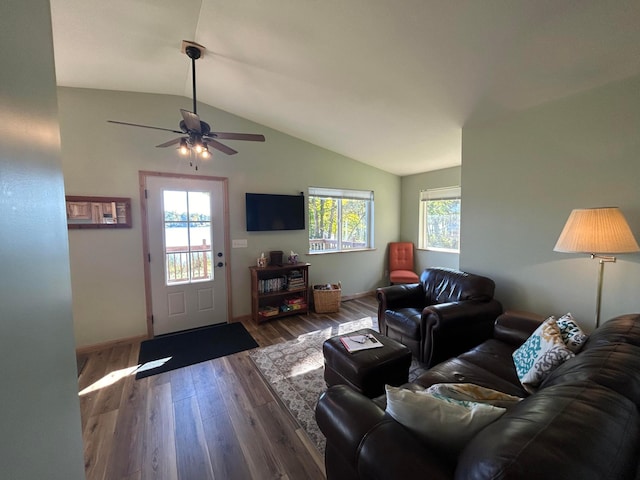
column 371, row 293
column 110, row 344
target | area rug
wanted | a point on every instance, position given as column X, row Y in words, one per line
column 168, row 352
column 295, row 372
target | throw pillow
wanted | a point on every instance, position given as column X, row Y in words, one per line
column 572, row 335
column 543, row 351
column 474, row 393
column 439, row 420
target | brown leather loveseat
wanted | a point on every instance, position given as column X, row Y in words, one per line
column 582, row 422
column 444, row 314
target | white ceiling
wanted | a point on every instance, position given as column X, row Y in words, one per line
column 390, row 83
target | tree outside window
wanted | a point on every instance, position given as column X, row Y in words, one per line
column 339, row 220
column 440, row 219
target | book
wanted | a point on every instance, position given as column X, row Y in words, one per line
column 356, row 343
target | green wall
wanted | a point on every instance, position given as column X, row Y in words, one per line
column 104, row 159
column 411, row 187
column 40, row 416
column 521, row 177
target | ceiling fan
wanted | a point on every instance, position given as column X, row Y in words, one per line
column 196, row 134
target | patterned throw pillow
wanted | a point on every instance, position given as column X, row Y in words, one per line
column 439, row 420
column 543, row 351
column 572, row 335
column 470, row 392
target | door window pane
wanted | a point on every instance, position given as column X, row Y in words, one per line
column 187, row 236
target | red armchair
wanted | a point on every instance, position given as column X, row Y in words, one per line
column 401, row 263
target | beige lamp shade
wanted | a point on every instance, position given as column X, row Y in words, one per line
column 596, row 230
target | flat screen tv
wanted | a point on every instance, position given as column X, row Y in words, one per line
column 266, row 212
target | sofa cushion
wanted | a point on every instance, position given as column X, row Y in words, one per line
column 623, row 329
column 443, row 285
column 495, row 357
column 579, row 431
column 543, row 351
column 404, row 321
column 459, row 370
column 437, row 419
column 572, row 335
column 614, row 366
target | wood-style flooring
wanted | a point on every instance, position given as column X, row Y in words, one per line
column 214, row 420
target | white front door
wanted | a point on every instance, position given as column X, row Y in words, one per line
column 186, row 241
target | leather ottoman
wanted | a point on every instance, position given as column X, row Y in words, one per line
column 366, row 371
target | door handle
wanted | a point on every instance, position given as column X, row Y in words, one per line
column 219, row 264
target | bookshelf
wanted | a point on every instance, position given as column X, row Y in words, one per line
column 278, row 291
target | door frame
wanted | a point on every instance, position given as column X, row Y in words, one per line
column 142, row 179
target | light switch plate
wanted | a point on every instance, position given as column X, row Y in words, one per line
column 239, row 243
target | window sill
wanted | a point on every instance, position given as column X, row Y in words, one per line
column 325, row 252
column 439, row 250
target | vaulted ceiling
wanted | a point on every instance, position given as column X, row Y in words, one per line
column 389, row 83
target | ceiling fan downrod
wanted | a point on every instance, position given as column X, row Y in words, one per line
column 193, row 53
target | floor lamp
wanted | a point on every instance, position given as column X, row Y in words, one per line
column 596, row 231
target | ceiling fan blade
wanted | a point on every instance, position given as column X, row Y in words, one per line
column 144, row 126
column 170, row 142
column 191, row 120
column 251, row 137
column 219, row 146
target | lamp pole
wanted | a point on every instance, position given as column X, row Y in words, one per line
column 601, row 260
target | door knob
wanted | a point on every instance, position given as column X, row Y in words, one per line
column 219, row 264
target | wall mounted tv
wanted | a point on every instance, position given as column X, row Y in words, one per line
column 267, row 212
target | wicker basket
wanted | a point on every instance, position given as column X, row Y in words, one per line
column 326, row 300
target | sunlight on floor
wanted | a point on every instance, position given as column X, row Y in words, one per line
column 315, row 361
column 117, row 375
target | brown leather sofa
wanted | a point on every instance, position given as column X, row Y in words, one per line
column 581, row 423
column 444, row 314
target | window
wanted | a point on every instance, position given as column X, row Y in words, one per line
column 440, row 219
column 340, row 220
column 187, row 237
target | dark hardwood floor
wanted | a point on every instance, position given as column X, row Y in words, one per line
column 214, row 420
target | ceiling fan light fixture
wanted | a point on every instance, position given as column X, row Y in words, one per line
column 183, row 149
column 205, row 152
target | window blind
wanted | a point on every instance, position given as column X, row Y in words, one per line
column 340, row 193
column 440, row 193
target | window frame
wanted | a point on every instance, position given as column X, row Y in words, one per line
column 342, row 194
column 434, row 194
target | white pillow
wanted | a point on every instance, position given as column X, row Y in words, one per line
column 474, row 393
column 439, row 420
column 572, row 335
column 543, row 351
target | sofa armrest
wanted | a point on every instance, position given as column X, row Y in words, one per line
column 344, row 417
column 449, row 329
column 390, row 451
column 398, row 296
column 515, row 327
column 370, row 442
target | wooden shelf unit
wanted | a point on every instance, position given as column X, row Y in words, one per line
column 269, row 289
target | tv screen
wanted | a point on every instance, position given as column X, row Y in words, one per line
column 266, row 212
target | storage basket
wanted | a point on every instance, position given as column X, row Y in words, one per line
column 326, row 298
